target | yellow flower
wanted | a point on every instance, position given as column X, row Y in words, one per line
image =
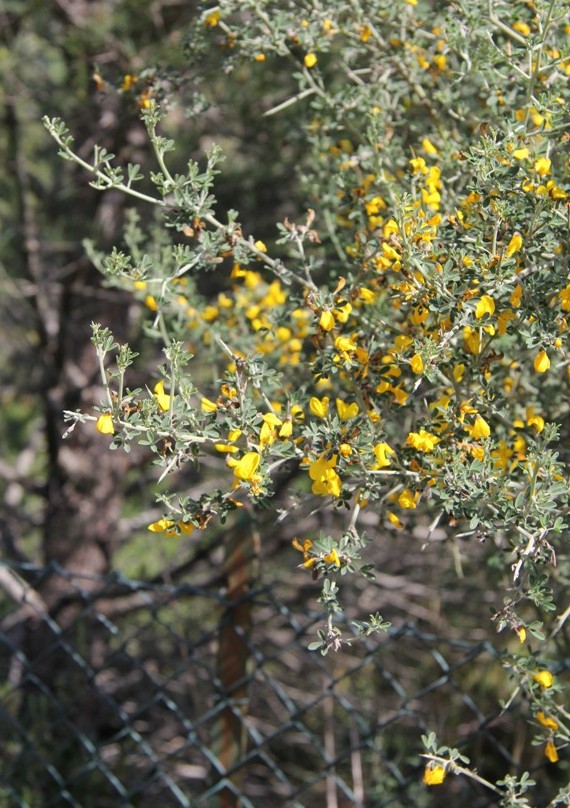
column 327, row 321
column 310, row 60
column 458, row 372
column 544, row 678
column 440, row 61
column 162, row 398
column 564, row 296
column 346, row 411
column 547, row 721
column 345, row 345
column 486, row 305
column 551, row 752
column 325, row 479
column 428, row 147
column 533, row 419
column 417, row 364
column 245, row 468
column 434, row 775
column 105, row 424
column 408, row 499
column 480, row 429
column 208, row 406
column 522, row 28
column 390, row 252
column 423, row 441
column 521, row 154
column 541, row 362
column 260, row 245
column 381, row 452
column 128, row 82
column 521, row 633
column 398, row 524
column 267, row 434
column 514, row 245
column 226, row 448
column 390, row 228
column 477, row 452
column 515, row 298
column 332, row 558
column 213, row 18
column 319, row 406
column 366, row 295
column 163, row 526
column 151, row 303
column 503, row 321
column 342, row 313
column 272, row 419
column 259, row 57
column 305, row 548
column 473, row 339
column 542, row 166
column 418, row 165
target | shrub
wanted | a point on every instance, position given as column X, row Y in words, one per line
column 399, row 344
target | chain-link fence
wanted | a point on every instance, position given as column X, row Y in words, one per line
column 136, row 694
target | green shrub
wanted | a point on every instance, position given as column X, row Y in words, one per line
column 399, row 345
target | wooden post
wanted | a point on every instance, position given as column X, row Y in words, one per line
column 229, row 738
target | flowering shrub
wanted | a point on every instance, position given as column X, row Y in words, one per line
column 401, row 345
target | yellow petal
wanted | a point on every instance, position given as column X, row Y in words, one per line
column 327, row 321
column 105, row 424
column 381, row 452
column 542, row 166
column 514, row 245
column 486, row 305
column 319, row 407
column 161, row 526
column 480, row 429
column 272, row 419
column 541, row 362
column 434, row 775
column 408, row 499
column 332, row 558
column 162, row 398
column 544, row 678
column 208, row 406
column 515, row 298
column 346, row 411
column 395, row 520
column 551, row 752
column 247, row 466
column 547, row 721
column 417, row 364
column 428, row 146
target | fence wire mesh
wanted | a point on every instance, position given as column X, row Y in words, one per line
column 118, row 697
